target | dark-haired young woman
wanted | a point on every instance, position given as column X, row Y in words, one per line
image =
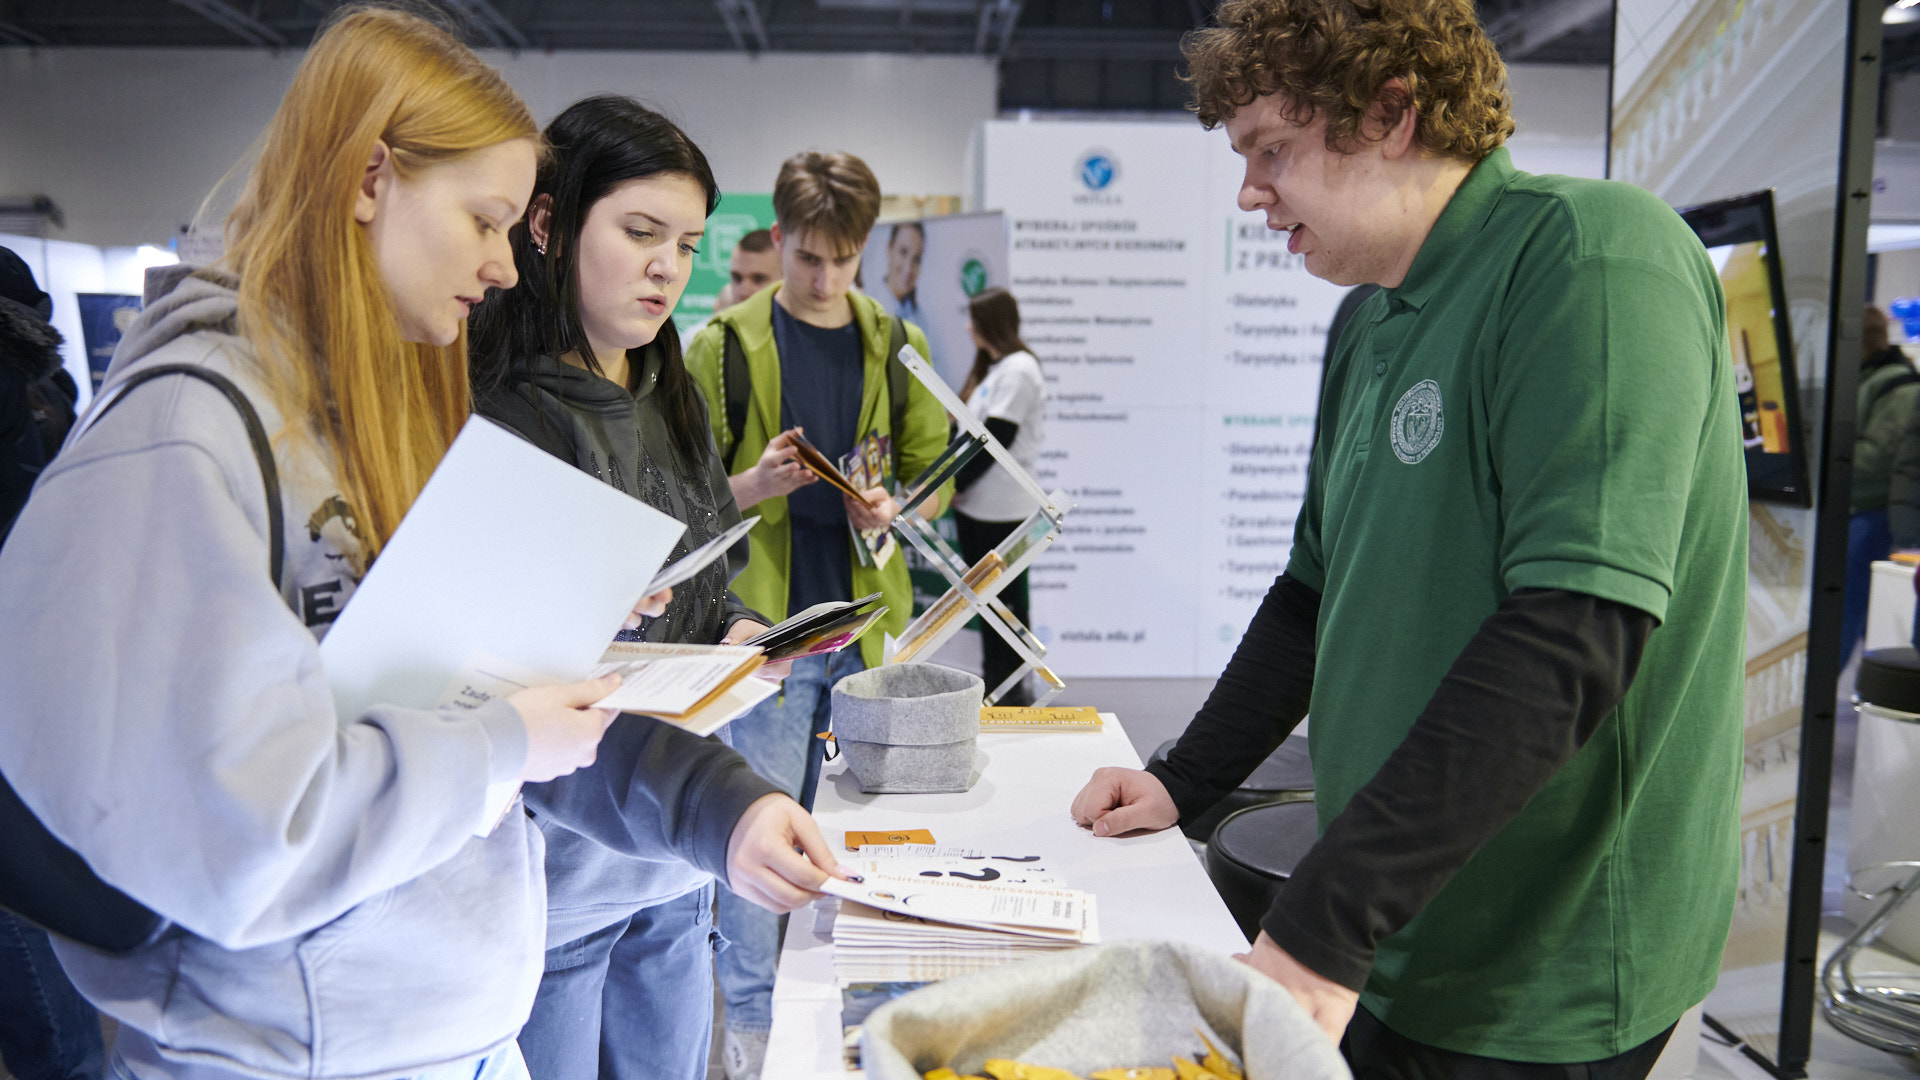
column 583, row 360
column 1007, row 392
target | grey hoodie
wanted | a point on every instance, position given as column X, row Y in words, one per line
column 166, row 714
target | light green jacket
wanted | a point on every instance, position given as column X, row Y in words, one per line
column 763, row 585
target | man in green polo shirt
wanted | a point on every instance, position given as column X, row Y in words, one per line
column 1516, row 596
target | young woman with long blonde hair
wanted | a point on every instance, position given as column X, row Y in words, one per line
column 166, row 713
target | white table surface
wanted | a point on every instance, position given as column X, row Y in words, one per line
column 1148, row 886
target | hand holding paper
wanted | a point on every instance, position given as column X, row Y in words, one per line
column 777, row 473
column 762, row 863
column 772, row 671
column 874, row 510
column 651, row 605
column 563, row 727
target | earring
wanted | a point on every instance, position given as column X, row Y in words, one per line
column 541, row 248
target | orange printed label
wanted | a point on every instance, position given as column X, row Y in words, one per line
column 855, row 840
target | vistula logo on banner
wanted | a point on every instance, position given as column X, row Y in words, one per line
column 1096, row 171
column 973, row 273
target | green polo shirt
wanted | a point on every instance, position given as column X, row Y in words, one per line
column 1545, row 402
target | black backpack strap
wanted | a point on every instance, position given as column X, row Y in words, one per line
column 736, row 384
column 256, row 434
column 899, row 383
column 42, row 879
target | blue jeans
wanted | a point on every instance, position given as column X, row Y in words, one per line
column 631, row 1001
column 501, row 1065
column 1869, row 539
column 777, row 739
column 47, row 1030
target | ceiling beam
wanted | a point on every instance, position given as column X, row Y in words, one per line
column 239, row 24
column 997, row 20
column 1057, row 43
column 11, row 34
column 942, row 7
column 743, row 25
column 494, row 28
column 1520, row 34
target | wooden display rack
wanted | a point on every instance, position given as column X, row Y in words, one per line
column 974, row 590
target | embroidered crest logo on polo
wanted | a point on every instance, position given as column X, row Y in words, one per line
column 1417, row 422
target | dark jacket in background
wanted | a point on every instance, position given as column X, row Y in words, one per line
column 1889, row 392
column 1903, row 483
column 36, row 401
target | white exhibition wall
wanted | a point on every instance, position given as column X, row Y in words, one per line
column 129, row 141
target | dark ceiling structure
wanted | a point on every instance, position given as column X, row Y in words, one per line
column 1106, row 55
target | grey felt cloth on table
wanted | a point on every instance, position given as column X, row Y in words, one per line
column 1126, row 1005
column 908, row 728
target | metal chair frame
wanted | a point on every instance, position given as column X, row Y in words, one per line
column 1882, row 1013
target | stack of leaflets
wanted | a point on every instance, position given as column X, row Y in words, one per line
column 919, row 918
column 822, row 628
column 924, row 913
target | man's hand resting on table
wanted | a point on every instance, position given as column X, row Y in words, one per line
column 1330, row 1004
column 762, row 864
column 1119, row 801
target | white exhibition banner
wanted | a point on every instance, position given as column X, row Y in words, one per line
column 926, row 270
column 1182, row 349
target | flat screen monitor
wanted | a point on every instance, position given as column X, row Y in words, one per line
column 1745, row 247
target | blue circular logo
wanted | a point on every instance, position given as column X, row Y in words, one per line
column 1097, row 170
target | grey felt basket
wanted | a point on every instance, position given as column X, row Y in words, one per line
column 908, row 728
column 1127, row 1005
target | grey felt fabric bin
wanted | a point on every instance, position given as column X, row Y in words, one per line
column 908, row 728
column 1125, row 1005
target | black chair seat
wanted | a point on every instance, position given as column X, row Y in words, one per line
column 1890, row 678
column 1253, row 853
column 1286, row 776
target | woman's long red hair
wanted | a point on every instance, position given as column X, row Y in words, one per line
column 312, row 301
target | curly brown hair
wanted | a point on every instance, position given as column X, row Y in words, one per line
column 1335, row 58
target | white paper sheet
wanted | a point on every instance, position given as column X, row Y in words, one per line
column 1037, row 910
column 483, row 679
column 508, row 553
column 696, row 560
column 735, row 703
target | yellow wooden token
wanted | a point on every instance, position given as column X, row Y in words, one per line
column 1135, row 1074
column 1006, row 1069
column 1216, row 1062
column 1190, row 1071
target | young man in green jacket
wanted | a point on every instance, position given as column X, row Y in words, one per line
column 817, row 359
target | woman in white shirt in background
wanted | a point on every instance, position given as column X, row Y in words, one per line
column 1007, row 392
